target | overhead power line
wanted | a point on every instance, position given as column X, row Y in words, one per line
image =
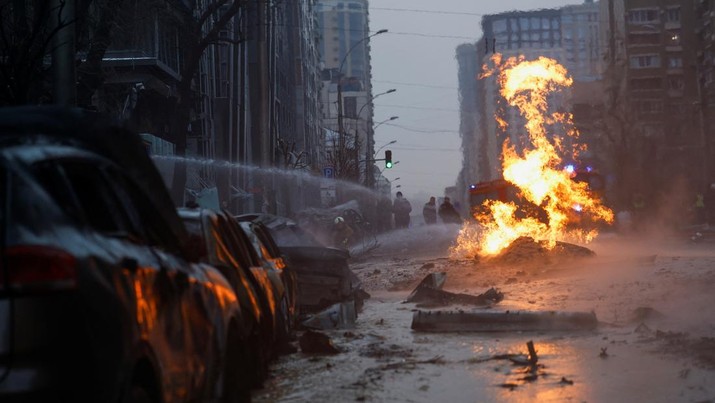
column 413, row 10
column 414, row 129
column 469, row 38
column 415, row 84
column 427, row 108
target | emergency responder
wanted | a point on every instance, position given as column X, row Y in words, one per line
column 341, row 233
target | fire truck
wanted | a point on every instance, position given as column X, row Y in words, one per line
column 507, row 192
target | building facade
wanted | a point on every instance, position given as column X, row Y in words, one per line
column 347, row 90
column 570, row 35
column 655, row 61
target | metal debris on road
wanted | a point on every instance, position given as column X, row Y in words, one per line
column 312, row 342
column 460, row 321
column 429, row 293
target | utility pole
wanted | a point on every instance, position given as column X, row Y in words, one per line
column 341, row 129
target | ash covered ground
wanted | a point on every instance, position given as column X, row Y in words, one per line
column 654, row 299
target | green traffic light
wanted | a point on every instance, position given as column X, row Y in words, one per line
column 388, row 159
column 388, row 165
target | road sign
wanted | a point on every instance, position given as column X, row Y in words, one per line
column 328, row 172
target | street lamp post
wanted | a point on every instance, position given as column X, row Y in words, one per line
column 383, row 146
column 341, row 128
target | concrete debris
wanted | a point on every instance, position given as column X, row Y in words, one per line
column 337, row 316
column 429, row 293
column 525, row 250
column 644, row 313
column 460, row 321
column 312, row 342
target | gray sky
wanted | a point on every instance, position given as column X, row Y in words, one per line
column 416, row 57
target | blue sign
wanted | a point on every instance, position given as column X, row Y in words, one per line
column 328, row 172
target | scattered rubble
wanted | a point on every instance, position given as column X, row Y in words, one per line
column 460, row 321
column 312, row 342
column 644, row 313
column 337, row 316
column 525, row 250
column 429, row 293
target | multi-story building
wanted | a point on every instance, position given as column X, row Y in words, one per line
column 345, row 53
column 705, row 28
column 569, row 35
column 652, row 62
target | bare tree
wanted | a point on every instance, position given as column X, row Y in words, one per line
column 343, row 155
column 201, row 29
column 26, row 34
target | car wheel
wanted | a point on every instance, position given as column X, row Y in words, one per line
column 236, row 374
column 285, row 329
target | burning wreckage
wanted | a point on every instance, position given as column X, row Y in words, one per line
column 329, row 293
column 551, row 207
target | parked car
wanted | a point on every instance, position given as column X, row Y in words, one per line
column 323, row 273
column 98, row 299
column 278, row 279
column 219, row 242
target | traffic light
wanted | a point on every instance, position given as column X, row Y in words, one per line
column 388, row 159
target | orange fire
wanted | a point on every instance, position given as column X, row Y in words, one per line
column 536, row 170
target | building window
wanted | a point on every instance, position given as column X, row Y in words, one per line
column 643, row 16
column 675, row 62
column 350, row 107
column 676, row 83
column 672, row 14
column 644, row 61
column 499, row 26
column 650, row 106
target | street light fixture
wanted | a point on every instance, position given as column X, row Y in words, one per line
column 385, row 121
column 341, row 127
column 383, row 146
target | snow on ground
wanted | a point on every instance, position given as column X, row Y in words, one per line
column 656, row 341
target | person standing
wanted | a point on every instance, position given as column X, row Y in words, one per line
column 401, row 208
column 448, row 213
column 429, row 211
column 384, row 214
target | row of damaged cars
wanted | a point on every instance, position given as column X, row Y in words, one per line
column 106, row 293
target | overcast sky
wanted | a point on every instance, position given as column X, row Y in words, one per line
column 417, row 57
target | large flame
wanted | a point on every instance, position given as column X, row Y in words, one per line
column 537, row 169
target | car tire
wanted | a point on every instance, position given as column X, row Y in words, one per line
column 236, row 374
column 285, row 329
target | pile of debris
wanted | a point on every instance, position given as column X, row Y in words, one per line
column 429, row 294
column 525, row 250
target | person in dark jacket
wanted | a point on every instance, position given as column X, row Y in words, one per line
column 401, row 208
column 448, row 214
column 429, row 211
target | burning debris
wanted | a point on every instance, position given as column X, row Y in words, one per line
column 553, row 205
column 526, row 250
column 429, row 294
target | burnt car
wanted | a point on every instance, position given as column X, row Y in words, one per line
column 279, row 281
column 218, row 241
column 98, row 299
column 323, row 273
